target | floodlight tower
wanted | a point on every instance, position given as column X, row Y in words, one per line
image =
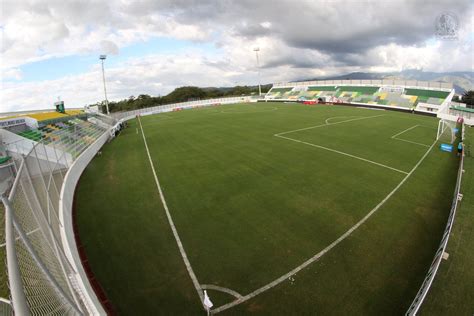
column 256, row 50
column 102, row 58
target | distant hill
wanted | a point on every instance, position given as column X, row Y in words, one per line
column 461, row 80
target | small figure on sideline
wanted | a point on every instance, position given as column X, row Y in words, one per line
column 460, row 148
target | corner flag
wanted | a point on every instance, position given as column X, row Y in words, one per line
column 207, row 301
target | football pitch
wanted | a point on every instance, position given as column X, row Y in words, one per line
column 273, row 208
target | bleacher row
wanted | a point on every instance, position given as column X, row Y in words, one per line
column 72, row 136
column 407, row 98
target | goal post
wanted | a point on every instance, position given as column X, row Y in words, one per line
column 446, row 131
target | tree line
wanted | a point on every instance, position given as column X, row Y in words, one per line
column 467, row 97
column 182, row 94
column 190, row 93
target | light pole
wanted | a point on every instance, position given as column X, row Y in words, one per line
column 102, row 58
column 256, row 50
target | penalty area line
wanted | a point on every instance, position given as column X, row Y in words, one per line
column 404, row 131
column 406, row 140
column 334, row 117
column 328, row 124
column 411, row 142
column 325, row 250
column 191, row 273
column 343, row 153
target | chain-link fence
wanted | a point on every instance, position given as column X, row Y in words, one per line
column 426, row 285
column 42, row 278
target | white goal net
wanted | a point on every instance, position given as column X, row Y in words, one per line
column 446, row 131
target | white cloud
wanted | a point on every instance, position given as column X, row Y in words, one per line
column 305, row 40
column 109, row 47
column 34, row 30
column 266, row 24
column 154, row 75
column 12, row 73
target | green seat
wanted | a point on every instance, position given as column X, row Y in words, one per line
column 4, row 159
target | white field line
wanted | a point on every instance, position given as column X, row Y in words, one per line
column 328, row 124
column 170, row 220
column 333, row 150
column 334, row 117
column 221, row 289
column 409, row 141
column 404, row 131
column 343, row 153
column 328, row 248
column 412, row 142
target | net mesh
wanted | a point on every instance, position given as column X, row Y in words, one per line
column 447, row 131
column 32, row 207
column 5, row 309
column 49, row 280
column 3, row 263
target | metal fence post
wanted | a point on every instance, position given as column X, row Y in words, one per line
column 16, row 283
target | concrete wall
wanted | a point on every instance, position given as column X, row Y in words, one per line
column 67, row 231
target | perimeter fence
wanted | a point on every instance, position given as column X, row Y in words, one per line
column 45, row 276
column 425, row 286
column 181, row 106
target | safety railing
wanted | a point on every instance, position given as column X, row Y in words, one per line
column 182, row 105
column 425, row 286
column 43, row 276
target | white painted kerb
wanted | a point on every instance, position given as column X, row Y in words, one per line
column 71, row 179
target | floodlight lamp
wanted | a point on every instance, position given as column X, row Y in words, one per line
column 103, row 57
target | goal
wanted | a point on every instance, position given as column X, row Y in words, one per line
column 446, row 131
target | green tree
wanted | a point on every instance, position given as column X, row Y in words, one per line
column 182, row 94
column 468, row 98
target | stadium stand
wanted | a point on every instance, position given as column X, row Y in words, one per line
column 72, row 136
column 453, row 111
column 69, row 132
column 420, row 96
column 47, row 116
column 467, row 114
column 279, row 93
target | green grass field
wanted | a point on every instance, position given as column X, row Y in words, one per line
column 254, row 192
column 452, row 292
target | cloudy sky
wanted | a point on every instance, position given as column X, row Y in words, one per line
column 50, row 49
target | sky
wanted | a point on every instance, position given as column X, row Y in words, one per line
column 50, row 49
